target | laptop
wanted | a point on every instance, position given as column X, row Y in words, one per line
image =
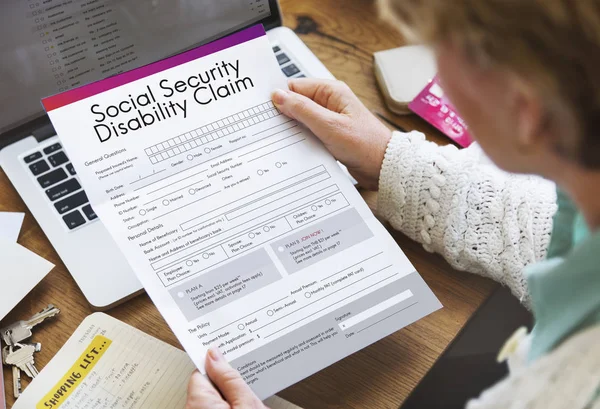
column 47, row 47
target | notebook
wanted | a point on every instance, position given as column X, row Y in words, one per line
column 109, row 364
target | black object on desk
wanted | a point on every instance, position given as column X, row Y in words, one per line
column 468, row 366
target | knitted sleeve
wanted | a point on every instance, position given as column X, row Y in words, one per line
column 458, row 204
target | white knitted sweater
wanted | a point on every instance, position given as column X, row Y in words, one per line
column 485, row 221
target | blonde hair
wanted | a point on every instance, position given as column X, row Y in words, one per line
column 552, row 44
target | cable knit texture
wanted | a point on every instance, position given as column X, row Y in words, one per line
column 485, row 221
column 460, row 205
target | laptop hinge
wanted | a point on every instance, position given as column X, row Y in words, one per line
column 44, row 132
column 40, row 128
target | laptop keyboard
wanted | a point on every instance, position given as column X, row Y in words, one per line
column 56, row 175
column 287, row 65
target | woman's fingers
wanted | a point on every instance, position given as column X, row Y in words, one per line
column 308, row 87
column 232, row 386
column 323, row 92
column 305, row 110
column 337, row 117
column 203, row 395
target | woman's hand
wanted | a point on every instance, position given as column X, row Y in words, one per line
column 229, row 390
column 336, row 116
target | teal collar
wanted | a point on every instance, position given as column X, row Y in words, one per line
column 565, row 291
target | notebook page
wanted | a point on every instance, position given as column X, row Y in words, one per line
column 109, row 364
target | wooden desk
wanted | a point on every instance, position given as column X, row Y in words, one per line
column 344, row 35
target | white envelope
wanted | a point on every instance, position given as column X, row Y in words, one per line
column 10, row 225
column 20, row 271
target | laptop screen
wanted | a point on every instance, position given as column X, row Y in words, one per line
column 49, row 46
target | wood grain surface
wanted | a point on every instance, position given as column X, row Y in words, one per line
column 344, row 35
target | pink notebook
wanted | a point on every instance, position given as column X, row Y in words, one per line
column 432, row 105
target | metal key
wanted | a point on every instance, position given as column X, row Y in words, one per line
column 7, row 350
column 23, row 359
column 16, row 372
column 37, row 346
column 17, row 389
column 21, row 330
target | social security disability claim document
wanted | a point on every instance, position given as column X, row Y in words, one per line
column 243, row 229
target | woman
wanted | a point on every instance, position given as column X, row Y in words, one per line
column 525, row 75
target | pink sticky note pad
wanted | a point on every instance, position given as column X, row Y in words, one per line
column 432, row 105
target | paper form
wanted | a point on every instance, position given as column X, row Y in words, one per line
column 243, row 229
column 109, row 364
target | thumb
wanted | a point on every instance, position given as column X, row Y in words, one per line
column 202, row 394
column 303, row 109
column 232, row 386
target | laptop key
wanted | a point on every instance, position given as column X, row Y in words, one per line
column 290, row 70
column 276, row 49
column 52, row 178
column 39, row 167
column 282, row 58
column 89, row 212
column 71, row 169
column 65, row 188
column 73, row 219
column 52, row 148
column 58, row 159
column 34, row 156
column 71, row 202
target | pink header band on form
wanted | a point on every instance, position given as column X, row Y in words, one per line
column 89, row 90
